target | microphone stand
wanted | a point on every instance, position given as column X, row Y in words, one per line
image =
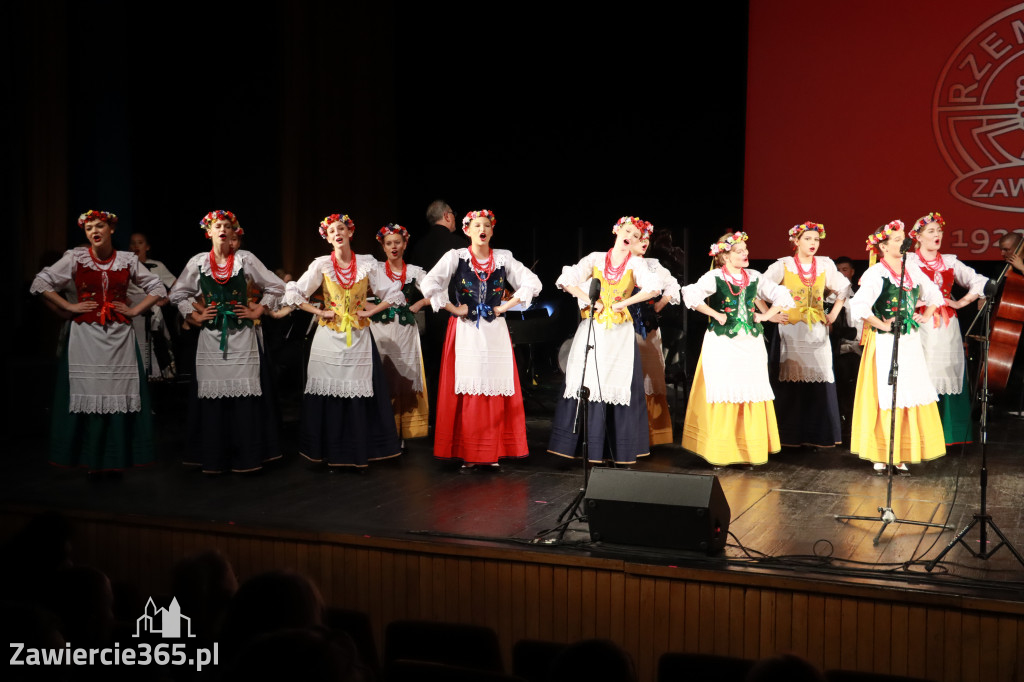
column 982, row 519
column 572, row 512
column 888, row 516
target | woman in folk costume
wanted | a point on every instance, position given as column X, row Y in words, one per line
column 648, row 340
column 941, row 339
column 398, row 338
column 232, row 422
column 480, row 417
column 918, row 433
column 730, row 416
column 617, row 413
column 346, row 410
column 101, row 415
column 806, row 389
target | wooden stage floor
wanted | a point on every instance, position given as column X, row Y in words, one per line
column 782, row 512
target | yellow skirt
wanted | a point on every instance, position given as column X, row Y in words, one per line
column 728, row 433
column 918, row 432
column 659, row 421
column 412, row 412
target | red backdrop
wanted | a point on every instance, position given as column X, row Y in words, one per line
column 860, row 113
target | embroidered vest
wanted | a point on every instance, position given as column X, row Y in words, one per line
column 345, row 303
column 944, row 281
column 645, row 320
column 480, row 296
column 613, row 293
column 887, row 305
column 808, row 300
column 738, row 308
column 225, row 297
column 401, row 313
column 105, row 287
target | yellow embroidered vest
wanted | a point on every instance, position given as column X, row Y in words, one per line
column 613, row 293
column 809, row 302
column 345, row 303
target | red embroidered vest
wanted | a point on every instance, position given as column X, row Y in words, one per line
column 105, row 287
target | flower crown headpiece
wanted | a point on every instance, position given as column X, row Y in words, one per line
column 723, row 245
column 627, row 220
column 798, row 230
column 335, row 218
column 882, row 234
column 923, row 221
column 105, row 216
column 392, row 228
column 478, row 214
column 213, row 216
column 646, row 228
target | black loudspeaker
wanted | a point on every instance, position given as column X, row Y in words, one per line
column 650, row 509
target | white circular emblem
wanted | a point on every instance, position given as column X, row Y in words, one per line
column 978, row 114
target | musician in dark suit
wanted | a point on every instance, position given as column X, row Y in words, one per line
column 844, row 335
column 425, row 250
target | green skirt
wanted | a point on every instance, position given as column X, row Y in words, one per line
column 99, row 442
column 955, row 413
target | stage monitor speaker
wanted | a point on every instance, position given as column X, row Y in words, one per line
column 651, row 509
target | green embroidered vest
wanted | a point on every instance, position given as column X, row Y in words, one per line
column 887, row 305
column 401, row 313
column 738, row 308
column 225, row 297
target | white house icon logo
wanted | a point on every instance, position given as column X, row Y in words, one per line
column 165, row 622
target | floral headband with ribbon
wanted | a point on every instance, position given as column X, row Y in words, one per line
column 392, row 228
column 923, row 221
column 882, row 234
column 478, row 214
column 335, row 218
column 213, row 216
column 105, row 216
column 726, row 244
column 798, row 230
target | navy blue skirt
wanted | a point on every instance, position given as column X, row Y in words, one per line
column 234, row 434
column 807, row 413
column 617, row 433
column 350, row 431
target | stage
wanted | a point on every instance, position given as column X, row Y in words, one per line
column 414, row 537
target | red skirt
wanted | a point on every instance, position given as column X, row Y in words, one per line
column 478, row 429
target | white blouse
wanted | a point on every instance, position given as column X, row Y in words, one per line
column 187, row 288
column 434, row 285
column 835, row 281
column 367, row 267
column 964, row 275
column 668, row 284
column 871, row 283
column 413, row 273
column 696, row 293
column 61, row 275
column 580, row 274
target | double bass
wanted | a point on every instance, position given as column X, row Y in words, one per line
column 1007, row 325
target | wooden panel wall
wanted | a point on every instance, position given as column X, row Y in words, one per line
column 649, row 610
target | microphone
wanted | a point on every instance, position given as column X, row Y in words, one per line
column 907, row 245
column 595, row 290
